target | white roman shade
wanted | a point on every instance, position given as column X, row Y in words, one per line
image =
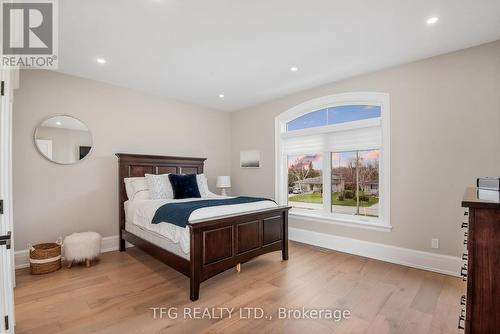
column 348, row 140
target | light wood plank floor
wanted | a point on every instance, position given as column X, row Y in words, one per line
column 116, row 295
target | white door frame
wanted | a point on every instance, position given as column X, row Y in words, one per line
column 7, row 320
column 45, row 146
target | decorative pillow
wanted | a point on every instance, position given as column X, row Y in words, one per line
column 159, row 186
column 201, row 179
column 136, row 188
column 184, row 185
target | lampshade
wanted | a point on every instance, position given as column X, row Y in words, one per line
column 223, row 182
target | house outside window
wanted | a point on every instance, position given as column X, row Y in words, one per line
column 332, row 159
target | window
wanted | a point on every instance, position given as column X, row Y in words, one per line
column 348, row 136
column 355, row 181
column 305, row 181
column 334, row 115
column 310, row 120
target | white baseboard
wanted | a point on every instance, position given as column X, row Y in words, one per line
column 443, row 264
column 22, row 259
column 108, row 244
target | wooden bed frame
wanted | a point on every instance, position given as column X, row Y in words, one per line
column 217, row 244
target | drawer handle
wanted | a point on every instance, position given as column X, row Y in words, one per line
column 465, row 225
column 466, row 234
column 465, row 241
column 465, row 256
column 463, row 272
column 462, row 300
column 466, row 213
column 460, row 320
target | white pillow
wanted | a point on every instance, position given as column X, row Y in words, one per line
column 136, row 188
column 159, row 186
column 201, row 179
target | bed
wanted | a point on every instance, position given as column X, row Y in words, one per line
column 214, row 240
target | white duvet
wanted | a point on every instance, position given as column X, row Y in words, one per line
column 141, row 213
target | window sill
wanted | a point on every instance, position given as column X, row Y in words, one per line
column 329, row 219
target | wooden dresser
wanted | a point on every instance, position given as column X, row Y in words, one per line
column 481, row 269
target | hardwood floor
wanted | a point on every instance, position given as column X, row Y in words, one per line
column 117, row 294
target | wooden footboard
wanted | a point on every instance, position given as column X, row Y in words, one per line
column 221, row 244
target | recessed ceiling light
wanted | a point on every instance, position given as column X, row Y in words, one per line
column 432, row 20
column 101, row 60
column 294, row 69
column 221, row 96
column 58, row 123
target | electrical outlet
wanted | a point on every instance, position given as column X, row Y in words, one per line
column 435, row 243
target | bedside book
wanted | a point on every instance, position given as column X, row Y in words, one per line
column 488, row 195
column 489, row 183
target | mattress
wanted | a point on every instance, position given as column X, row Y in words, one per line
column 157, row 240
column 140, row 214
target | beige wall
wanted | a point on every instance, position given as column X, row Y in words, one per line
column 52, row 200
column 445, row 131
column 445, row 114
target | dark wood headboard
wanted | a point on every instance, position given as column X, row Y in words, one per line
column 137, row 165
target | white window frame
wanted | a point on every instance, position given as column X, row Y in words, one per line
column 381, row 223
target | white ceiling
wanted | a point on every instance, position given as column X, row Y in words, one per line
column 195, row 50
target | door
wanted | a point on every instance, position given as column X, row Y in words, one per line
column 45, row 147
column 6, row 249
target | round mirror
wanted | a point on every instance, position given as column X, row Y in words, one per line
column 63, row 139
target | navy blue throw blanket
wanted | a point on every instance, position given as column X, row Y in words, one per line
column 179, row 213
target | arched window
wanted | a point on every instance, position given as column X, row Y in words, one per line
column 332, row 159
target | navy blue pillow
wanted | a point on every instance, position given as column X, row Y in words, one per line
column 184, row 185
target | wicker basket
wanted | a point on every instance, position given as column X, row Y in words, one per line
column 45, row 258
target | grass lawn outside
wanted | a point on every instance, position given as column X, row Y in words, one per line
column 317, row 198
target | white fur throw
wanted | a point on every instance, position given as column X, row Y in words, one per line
column 79, row 247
